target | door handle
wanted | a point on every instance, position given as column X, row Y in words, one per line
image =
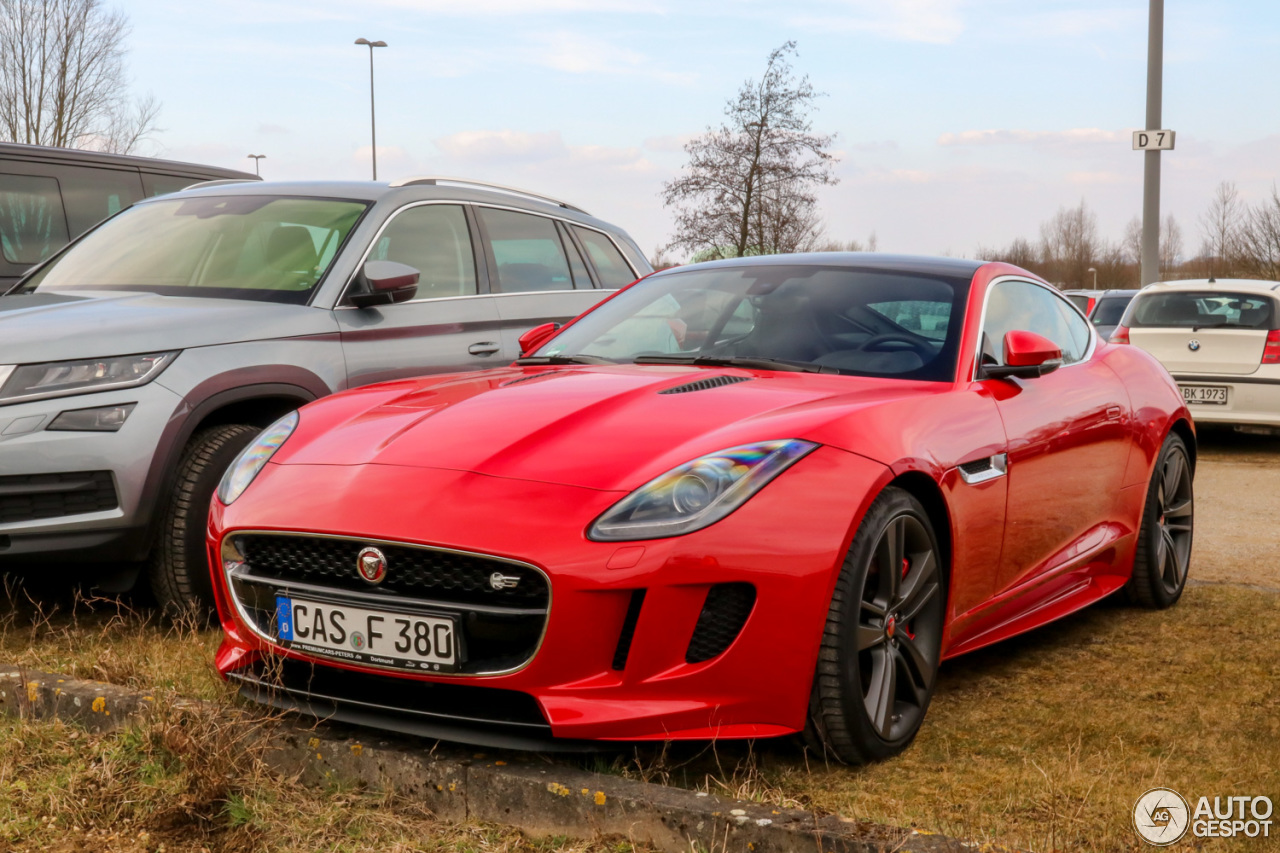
column 1113, row 412
column 484, row 348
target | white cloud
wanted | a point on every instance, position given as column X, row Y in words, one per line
column 491, row 146
column 932, row 21
column 1074, row 136
column 474, row 8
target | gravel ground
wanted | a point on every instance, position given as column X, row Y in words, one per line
column 1237, row 489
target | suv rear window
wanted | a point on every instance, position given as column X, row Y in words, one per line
column 1203, row 310
column 267, row 248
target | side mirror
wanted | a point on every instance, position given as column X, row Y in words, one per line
column 384, row 283
column 536, row 337
column 1026, row 355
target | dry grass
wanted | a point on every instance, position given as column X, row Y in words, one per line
column 1045, row 742
column 107, row 639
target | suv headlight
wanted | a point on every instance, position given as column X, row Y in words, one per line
column 62, row 378
column 698, row 493
column 252, row 459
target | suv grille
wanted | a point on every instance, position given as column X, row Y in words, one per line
column 34, row 496
column 500, row 628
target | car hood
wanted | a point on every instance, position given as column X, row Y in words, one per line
column 37, row 327
column 608, row 427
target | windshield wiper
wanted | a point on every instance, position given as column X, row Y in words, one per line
column 748, row 361
column 564, row 359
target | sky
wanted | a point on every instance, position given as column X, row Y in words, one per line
column 958, row 123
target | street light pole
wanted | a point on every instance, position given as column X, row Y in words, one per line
column 1151, row 167
column 1095, row 276
column 373, row 121
column 256, row 158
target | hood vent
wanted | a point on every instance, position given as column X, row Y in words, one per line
column 704, row 384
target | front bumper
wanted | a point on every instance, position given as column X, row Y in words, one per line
column 606, row 668
column 79, row 493
column 1251, row 400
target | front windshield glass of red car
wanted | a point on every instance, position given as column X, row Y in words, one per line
column 266, row 248
column 865, row 322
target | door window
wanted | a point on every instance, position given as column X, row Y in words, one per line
column 610, row 265
column 164, row 184
column 434, row 240
column 94, row 194
column 581, row 278
column 32, row 223
column 1023, row 306
column 526, row 250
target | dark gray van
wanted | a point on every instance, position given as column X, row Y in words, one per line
column 50, row 196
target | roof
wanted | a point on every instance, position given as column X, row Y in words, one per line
column 373, row 191
column 75, row 156
column 925, row 264
column 1249, row 285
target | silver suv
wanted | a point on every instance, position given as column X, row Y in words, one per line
column 136, row 363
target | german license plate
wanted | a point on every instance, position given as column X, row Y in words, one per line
column 1205, row 395
column 361, row 635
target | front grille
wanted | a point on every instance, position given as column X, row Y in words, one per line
column 499, row 628
column 31, row 497
column 416, row 572
column 723, row 614
column 705, row 384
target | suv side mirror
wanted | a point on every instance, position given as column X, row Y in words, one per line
column 1027, row 355
column 536, row 337
column 384, row 283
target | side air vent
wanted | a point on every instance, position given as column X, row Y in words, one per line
column 986, row 468
column 628, row 630
column 704, row 384
column 725, row 612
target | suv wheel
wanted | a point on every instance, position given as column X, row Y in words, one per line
column 179, row 568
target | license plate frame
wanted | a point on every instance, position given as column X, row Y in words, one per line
column 365, row 642
column 1205, row 395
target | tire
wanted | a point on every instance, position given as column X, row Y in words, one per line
column 878, row 662
column 179, row 568
column 1163, row 555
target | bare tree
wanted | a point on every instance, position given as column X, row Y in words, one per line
column 1260, row 240
column 1069, row 243
column 749, row 185
column 1170, row 246
column 1220, row 228
column 62, row 77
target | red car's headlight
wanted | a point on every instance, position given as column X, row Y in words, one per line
column 697, row 493
column 252, row 459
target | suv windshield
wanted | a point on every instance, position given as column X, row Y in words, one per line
column 1203, row 310
column 267, row 248
column 867, row 322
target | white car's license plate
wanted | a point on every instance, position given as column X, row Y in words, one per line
column 360, row 635
column 1210, row 395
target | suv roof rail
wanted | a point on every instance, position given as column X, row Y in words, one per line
column 432, row 180
column 220, row 182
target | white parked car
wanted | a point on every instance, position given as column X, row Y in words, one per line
column 1220, row 339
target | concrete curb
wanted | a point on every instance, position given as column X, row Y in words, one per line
column 539, row 798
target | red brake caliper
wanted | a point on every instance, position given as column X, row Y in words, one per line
column 906, row 629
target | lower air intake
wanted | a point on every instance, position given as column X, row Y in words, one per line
column 725, row 612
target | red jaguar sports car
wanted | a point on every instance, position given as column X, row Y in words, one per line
column 738, row 499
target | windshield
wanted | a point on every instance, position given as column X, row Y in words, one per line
column 1109, row 310
column 865, row 322
column 1203, row 310
column 240, row 247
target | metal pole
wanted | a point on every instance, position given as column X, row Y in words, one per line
column 373, row 123
column 1151, row 166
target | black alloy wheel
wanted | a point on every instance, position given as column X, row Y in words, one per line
column 881, row 647
column 1163, row 557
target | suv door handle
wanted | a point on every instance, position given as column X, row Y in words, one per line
column 484, row 348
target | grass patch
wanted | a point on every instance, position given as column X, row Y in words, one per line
column 187, row 780
column 1045, row 742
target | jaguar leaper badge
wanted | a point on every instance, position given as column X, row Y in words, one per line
column 371, row 565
